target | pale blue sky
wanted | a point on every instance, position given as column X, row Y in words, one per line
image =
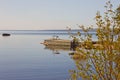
column 49, row 14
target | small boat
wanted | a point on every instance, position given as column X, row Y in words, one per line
column 5, row 34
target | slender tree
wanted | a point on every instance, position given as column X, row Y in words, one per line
column 103, row 57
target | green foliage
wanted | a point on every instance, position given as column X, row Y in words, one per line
column 102, row 59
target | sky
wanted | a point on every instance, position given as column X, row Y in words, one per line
column 49, row 14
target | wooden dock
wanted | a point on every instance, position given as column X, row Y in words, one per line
column 57, row 42
column 67, row 44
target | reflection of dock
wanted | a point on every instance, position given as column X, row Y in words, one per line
column 57, row 47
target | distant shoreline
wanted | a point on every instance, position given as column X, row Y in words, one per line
column 51, row 30
column 44, row 32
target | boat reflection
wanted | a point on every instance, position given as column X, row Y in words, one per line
column 56, row 49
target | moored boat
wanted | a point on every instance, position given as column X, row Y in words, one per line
column 5, row 34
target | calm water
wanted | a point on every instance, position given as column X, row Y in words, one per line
column 22, row 57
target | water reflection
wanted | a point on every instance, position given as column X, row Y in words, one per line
column 57, row 49
column 93, row 64
column 76, row 57
column 22, row 57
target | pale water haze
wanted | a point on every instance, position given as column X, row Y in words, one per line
column 48, row 14
column 22, row 57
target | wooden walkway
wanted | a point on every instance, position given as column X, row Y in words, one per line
column 57, row 43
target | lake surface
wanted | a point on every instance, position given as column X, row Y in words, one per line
column 22, row 57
